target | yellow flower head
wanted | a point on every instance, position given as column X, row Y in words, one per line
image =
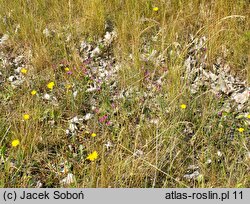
column 33, row 92
column 241, row 130
column 24, row 71
column 51, row 85
column 15, row 143
column 26, row 117
column 155, row 9
column 93, row 135
column 248, row 116
column 93, row 156
column 66, row 69
column 68, row 86
column 183, row 106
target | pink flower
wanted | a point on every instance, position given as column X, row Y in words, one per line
column 103, row 119
column 96, row 110
column 84, row 70
column 108, row 123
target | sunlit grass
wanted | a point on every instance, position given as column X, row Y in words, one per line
column 118, row 147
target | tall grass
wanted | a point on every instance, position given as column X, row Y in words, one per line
column 166, row 153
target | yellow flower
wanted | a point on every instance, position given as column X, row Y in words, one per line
column 26, row 117
column 66, row 69
column 248, row 116
column 93, row 135
column 33, row 92
column 68, row 86
column 15, row 143
column 155, row 9
column 241, row 130
column 183, row 106
column 93, row 156
column 51, row 85
column 24, row 71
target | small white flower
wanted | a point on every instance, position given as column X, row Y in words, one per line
column 46, row 32
column 67, row 132
column 219, row 153
column 75, row 94
column 154, row 121
column 138, row 153
column 102, row 75
column 88, row 116
column 46, row 96
column 108, row 145
column 209, row 161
